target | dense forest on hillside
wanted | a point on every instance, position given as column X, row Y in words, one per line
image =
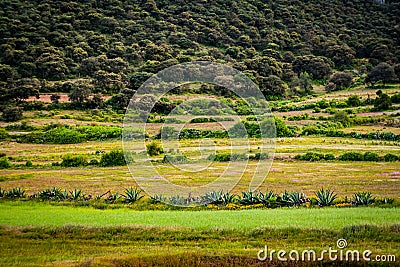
column 112, row 46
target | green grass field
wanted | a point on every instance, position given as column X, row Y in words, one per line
column 36, row 214
column 35, row 234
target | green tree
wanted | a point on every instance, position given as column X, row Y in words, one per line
column 382, row 72
column 383, row 101
column 11, row 114
column 341, row 80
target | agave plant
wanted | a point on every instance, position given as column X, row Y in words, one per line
column 53, row 194
column 283, row 200
column 132, row 195
column 177, row 200
column 325, row 198
column 296, row 199
column 265, row 198
column 15, row 193
column 76, row 194
column 214, row 197
column 2, row 193
column 112, row 197
column 249, row 198
column 157, row 199
column 362, row 198
column 228, row 198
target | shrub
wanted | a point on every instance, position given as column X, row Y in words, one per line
column 29, row 163
column 15, row 193
column 4, row 163
column 341, row 80
column 132, row 195
column 154, row 148
column 100, row 132
column 73, row 160
column 113, row 158
column 310, row 156
column 351, row 156
column 370, row 156
column 390, row 157
column 329, row 157
column 175, row 159
column 3, row 134
column 61, row 135
column 53, row 194
column 325, row 198
column 363, row 198
column 11, row 114
column 353, row 101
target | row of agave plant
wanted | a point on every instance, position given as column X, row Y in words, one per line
column 268, row 199
column 130, row 195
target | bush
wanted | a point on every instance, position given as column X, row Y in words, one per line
column 351, row 156
column 5, row 163
column 353, row 101
column 63, row 136
column 154, row 148
column 95, row 133
column 370, row 156
column 73, row 160
column 329, row 157
column 390, row 157
column 175, row 159
column 3, row 134
column 11, row 114
column 113, row 158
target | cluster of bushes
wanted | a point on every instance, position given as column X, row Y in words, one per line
column 112, row 158
column 226, row 157
column 348, row 156
column 213, row 199
column 71, row 135
column 330, row 129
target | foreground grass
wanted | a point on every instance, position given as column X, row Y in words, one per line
column 35, row 234
column 37, row 214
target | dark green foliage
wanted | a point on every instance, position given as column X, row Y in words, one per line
column 4, row 163
column 341, row 80
column 383, row 101
column 312, row 156
column 154, row 148
column 11, row 114
column 371, row 156
column 15, row 193
column 317, row 67
column 353, row 101
column 132, row 195
column 382, row 72
column 249, row 198
column 225, row 157
column 55, row 194
column 362, row 198
column 351, row 156
column 73, row 160
column 99, row 133
column 325, row 198
column 175, row 159
column 3, row 134
column 75, row 195
column 113, row 158
column 395, row 98
column 29, row 163
column 390, row 158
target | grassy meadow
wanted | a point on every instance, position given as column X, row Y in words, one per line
column 100, row 229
